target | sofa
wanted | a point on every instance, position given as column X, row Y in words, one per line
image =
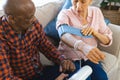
column 111, row 63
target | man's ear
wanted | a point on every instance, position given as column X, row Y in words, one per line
column 11, row 19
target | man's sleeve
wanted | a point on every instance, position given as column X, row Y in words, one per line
column 48, row 49
column 5, row 69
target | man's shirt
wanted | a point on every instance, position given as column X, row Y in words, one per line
column 19, row 56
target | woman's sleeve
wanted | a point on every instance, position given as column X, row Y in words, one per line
column 104, row 29
column 62, row 18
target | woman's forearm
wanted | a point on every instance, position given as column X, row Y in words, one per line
column 69, row 39
column 102, row 38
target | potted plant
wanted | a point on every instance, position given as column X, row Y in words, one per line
column 110, row 4
column 110, row 9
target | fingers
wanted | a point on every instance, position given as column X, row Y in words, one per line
column 100, row 53
column 87, row 31
column 72, row 67
column 62, row 76
column 60, row 69
column 67, row 66
column 95, row 55
column 93, row 58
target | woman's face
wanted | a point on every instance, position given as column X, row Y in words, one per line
column 81, row 5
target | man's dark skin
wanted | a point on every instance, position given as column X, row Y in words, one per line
column 20, row 15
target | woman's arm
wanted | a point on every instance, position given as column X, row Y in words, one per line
column 92, row 53
column 101, row 37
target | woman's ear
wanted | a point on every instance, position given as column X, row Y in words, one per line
column 11, row 19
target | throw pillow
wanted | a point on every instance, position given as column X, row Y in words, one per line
column 50, row 29
column 47, row 12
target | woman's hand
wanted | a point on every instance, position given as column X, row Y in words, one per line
column 95, row 55
column 88, row 31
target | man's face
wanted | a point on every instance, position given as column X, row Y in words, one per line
column 24, row 19
column 81, row 5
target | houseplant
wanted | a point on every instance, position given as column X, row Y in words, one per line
column 110, row 4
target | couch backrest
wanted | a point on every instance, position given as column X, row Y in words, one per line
column 48, row 12
column 1, row 13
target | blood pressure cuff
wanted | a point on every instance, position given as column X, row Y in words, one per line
column 64, row 28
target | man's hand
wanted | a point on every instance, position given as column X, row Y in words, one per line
column 95, row 55
column 67, row 66
column 61, row 76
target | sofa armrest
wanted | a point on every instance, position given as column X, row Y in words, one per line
column 115, row 47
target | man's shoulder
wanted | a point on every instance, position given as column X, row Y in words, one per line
column 2, row 30
column 66, row 9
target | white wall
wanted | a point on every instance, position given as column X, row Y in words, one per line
column 2, row 2
column 36, row 2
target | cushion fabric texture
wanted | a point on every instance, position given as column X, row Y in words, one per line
column 50, row 28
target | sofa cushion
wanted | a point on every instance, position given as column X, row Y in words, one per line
column 45, row 61
column 115, row 47
column 107, row 21
column 1, row 13
column 47, row 12
column 50, row 29
column 109, row 62
column 52, row 33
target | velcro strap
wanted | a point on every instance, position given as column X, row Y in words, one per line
column 68, row 29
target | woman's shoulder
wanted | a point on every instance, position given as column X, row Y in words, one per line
column 94, row 9
column 66, row 10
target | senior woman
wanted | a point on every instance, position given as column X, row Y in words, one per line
column 80, row 47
